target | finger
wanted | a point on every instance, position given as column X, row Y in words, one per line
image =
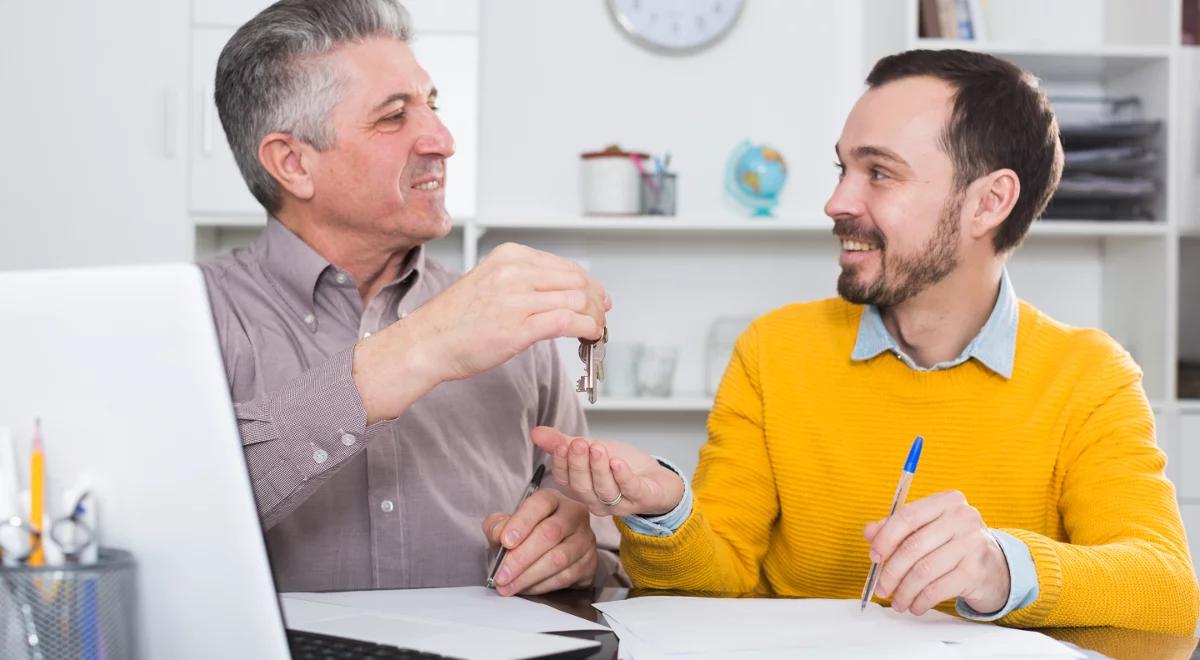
column 492, row 526
column 560, row 323
column 603, row 483
column 627, row 482
column 579, row 472
column 579, row 574
column 923, row 573
column 913, row 549
column 950, row 585
column 544, row 562
column 872, row 529
column 907, row 519
column 529, row 514
column 539, row 302
column 548, row 438
column 559, row 469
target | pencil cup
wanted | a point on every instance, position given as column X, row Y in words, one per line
column 84, row 612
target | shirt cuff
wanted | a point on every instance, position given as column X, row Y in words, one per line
column 668, row 523
column 1022, row 578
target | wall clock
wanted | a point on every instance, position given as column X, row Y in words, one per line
column 675, row 26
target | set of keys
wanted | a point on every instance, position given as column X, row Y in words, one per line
column 592, row 354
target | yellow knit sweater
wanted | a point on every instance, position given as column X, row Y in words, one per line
column 805, row 447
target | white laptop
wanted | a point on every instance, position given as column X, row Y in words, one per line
column 123, row 367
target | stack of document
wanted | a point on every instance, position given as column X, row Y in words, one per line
column 679, row 628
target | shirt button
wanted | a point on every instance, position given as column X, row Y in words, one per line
column 341, row 278
column 348, row 439
column 388, row 506
column 366, row 334
column 309, row 318
column 320, row 455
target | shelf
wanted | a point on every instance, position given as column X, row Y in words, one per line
column 229, row 221
column 1098, row 228
column 811, row 228
column 648, row 404
column 661, row 224
column 1188, row 405
column 1008, row 48
column 1062, row 63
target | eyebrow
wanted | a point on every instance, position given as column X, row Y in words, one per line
column 402, row 96
column 870, row 151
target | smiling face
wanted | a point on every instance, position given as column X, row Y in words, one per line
column 385, row 176
column 896, row 208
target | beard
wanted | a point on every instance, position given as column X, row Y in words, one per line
column 902, row 277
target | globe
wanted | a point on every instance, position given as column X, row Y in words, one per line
column 754, row 176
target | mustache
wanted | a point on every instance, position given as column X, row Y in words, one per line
column 849, row 230
column 426, row 167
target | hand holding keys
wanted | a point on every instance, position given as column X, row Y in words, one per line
column 592, row 355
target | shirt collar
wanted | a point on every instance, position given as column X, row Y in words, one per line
column 296, row 267
column 995, row 346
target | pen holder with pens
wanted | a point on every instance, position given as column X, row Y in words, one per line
column 84, row 611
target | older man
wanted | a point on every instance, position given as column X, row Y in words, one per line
column 1040, row 499
column 384, row 402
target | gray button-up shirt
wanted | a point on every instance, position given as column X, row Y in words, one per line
column 397, row 504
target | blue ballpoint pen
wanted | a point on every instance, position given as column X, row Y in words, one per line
column 906, row 477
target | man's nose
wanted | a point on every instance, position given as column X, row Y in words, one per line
column 435, row 138
column 846, row 202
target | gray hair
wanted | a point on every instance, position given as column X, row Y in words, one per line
column 271, row 76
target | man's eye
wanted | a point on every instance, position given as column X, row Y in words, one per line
column 841, row 169
column 877, row 174
column 399, row 116
column 435, row 107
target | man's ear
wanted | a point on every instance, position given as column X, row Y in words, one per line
column 995, row 195
column 288, row 160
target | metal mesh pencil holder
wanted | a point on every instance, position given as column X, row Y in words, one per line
column 81, row 612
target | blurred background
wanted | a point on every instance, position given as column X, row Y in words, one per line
column 681, row 150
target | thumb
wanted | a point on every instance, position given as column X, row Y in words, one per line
column 548, row 438
column 872, row 529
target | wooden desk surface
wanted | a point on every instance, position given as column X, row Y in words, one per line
column 1116, row 643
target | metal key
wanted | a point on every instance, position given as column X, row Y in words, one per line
column 592, row 355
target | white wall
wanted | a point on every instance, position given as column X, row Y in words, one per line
column 558, row 79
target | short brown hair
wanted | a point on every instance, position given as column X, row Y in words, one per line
column 1000, row 119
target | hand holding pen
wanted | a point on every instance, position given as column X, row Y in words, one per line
column 935, row 549
column 545, row 545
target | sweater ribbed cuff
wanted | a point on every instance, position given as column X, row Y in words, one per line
column 1050, row 581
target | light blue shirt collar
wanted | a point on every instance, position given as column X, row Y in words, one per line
column 995, row 346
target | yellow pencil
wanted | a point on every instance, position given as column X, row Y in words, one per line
column 37, row 490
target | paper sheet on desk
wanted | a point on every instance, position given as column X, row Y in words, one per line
column 477, row 606
column 700, row 628
column 447, row 638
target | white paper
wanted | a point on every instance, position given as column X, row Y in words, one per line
column 445, row 638
column 477, row 606
column 701, row 628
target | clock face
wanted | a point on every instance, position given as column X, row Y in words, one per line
column 676, row 25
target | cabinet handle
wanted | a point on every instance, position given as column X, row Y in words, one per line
column 206, row 128
column 170, row 127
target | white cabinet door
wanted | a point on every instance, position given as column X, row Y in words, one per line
column 1187, row 444
column 93, row 169
column 218, row 191
column 427, row 15
column 217, row 186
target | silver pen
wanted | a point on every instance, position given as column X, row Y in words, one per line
column 534, row 483
column 906, row 477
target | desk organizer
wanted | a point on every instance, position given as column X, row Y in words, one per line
column 84, row 612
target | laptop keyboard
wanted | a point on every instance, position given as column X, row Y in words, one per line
column 315, row 646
